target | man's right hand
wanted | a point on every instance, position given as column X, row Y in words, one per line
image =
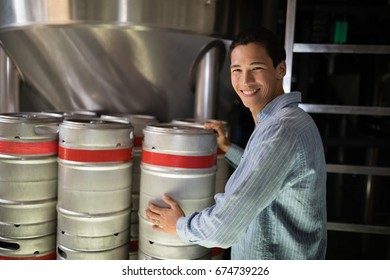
column 222, row 140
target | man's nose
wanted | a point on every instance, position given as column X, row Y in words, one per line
column 248, row 77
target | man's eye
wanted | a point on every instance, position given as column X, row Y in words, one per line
column 236, row 70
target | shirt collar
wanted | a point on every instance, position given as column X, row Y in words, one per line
column 280, row 102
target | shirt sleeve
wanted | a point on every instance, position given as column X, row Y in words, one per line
column 234, row 155
column 252, row 187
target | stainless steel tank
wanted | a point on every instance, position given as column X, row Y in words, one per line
column 94, row 189
column 181, row 162
column 28, row 184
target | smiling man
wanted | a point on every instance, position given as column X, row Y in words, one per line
column 274, row 204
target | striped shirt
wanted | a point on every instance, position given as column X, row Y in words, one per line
column 274, row 204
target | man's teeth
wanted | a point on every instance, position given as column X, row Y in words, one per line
column 249, row 92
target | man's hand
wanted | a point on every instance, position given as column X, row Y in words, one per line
column 222, row 141
column 164, row 219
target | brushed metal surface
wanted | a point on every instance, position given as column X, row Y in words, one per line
column 118, row 253
column 157, row 250
column 93, row 243
column 198, row 16
column 111, row 56
column 27, row 247
column 22, row 231
column 9, row 84
column 193, row 188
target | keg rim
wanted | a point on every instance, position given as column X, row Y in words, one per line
column 30, row 117
column 171, row 128
column 78, row 122
column 130, row 117
column 191, row 121
column 80, row 113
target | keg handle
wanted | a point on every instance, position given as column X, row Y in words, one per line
column 9, row 246
column 62, row 253
column 45, row 129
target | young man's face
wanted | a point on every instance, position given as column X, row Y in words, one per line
column 253, row 76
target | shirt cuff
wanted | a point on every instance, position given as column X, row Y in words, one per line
column 181, row 228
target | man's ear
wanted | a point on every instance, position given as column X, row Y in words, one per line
column 281, row 70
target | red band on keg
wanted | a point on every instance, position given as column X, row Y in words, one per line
column 28, row 148
column 117, row 155
column 179, row 161
column 51, row 256
column 216, row 251
column 138, row 141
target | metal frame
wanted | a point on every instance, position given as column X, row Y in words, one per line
column 359, row 228
column 358, row 170
column 289, row 42
column 345, row 110
column 292, row 48
column 332, row 48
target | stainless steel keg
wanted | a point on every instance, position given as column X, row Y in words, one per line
column 181, row 162
column 94, row 188
column 139, row 122
column 223, row 169
column 28, row 183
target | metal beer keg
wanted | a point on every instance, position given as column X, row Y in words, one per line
column 94, row 189
column 223, row 168
column 139, row 122
column 181, row 162
column 28, row 184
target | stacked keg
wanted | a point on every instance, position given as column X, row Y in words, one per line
column 28, row 185
column 179, row 161
column 139, row 122
column 94, row 189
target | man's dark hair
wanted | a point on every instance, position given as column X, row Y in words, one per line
column 264, row 37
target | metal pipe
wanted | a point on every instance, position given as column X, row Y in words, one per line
column 289, row 42
column 9, row 84
column 204, row 79
column 207, row 87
